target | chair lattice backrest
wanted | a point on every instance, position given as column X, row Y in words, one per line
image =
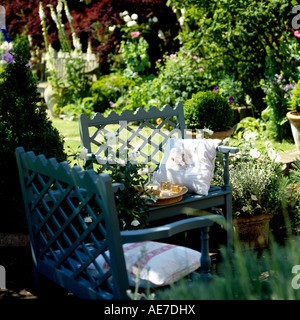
column 72, row 220
column 118, row 136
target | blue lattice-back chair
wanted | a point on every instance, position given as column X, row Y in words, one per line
column 74, row 228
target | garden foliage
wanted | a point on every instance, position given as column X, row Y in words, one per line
column 23, row 122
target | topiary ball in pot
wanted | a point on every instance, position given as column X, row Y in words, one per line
column 208, row 110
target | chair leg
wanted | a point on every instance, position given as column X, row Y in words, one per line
column 205, row 259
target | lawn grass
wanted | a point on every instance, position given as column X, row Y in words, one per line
column 70, row 131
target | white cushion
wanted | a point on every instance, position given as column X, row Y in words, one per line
column 189, row 162
column 154, row 263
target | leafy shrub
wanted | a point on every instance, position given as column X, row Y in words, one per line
column 72, row 110
column 208, row 110
column 184, row 74
column 232, row 90
column 277, row 90
column 180, row 75
column 295, row 100
column 239, row 48
column 23, row 122
column 108, row 89
column 149, row 93
column 135, row 56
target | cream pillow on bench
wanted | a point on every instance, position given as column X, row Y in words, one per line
column 189, row 162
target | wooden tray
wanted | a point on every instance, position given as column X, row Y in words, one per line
column 163, row 200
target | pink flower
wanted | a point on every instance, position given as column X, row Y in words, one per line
column 201, row 69
column 297, row 33
column 135, row 34
column 194, row 57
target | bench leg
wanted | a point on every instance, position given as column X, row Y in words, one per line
column 205, row 259
column 229, row 224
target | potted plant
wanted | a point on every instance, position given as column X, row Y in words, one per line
column 258, row 191
column 209, row 110
column 294, row 114
column 132, row 199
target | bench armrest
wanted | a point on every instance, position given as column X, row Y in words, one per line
column 226, row 150
column 171, row 229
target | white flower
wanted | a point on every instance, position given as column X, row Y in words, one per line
column 250, row 136
column 124, row 13
column 155, row 19
column 111, row 134
column 101, row 160
column 6, row 46
column 245, row 209
column 248, row 99
column 127, row 18
column 254, row 153
column 226, row 141
column 131, row 23
column 41, row 12
column 83, row 153
column 111, row 138
column 134, row 16
column 76, row 43
column 161, row 34
column 273, row 155
column 208, row 131
column 253, row 197
column 88, row 220
column 121, row 162
column 111, row 28
column 133, row 155
column 143, row 171
column 135, row 223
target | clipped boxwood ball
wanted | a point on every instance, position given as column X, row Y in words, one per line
column 208, row 110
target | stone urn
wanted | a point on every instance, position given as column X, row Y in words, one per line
column 294, row 118
column 253, row 232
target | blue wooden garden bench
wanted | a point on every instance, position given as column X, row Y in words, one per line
column 148, row 132
column 66, row 246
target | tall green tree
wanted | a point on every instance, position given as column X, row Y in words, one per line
column 235, row 36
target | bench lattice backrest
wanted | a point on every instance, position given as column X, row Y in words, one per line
column 57, row 210
column 142, row 131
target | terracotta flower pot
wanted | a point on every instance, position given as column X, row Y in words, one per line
column 294, row 118
column 222, row 134
column 253, row 231
column 216, row 135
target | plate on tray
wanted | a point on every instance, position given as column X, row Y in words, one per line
column 166, row 199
